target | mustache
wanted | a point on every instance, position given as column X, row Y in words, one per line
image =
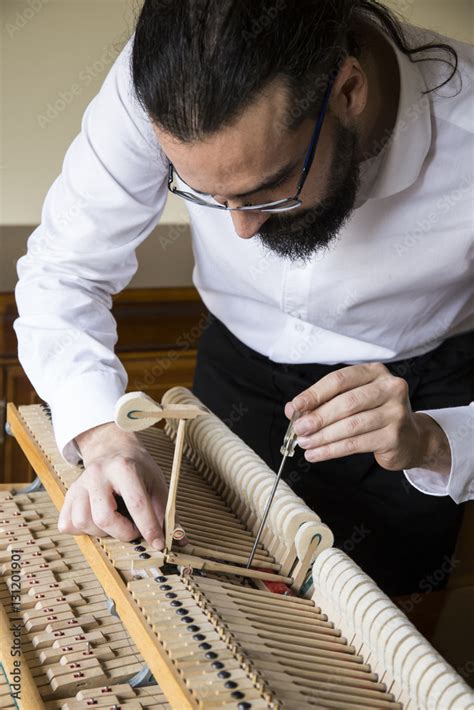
column 303, row 218
column 301, row 233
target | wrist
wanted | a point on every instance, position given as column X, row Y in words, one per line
column 434, row 449
column 105, row 439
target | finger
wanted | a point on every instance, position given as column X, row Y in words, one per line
column 73, row 518
column 139, row 504
column 106, row 516
column 64, row 520
column 342, row 380
column 159, row 497
column 355, row 425
column 81, row 516
column 365, row 443
column 158, row 501
column 357, row 400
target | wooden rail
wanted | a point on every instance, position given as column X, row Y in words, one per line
column 164, row 671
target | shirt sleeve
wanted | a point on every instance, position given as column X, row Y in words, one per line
column 458, row 424
column 108, row 198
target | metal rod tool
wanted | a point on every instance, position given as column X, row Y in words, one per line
column 287, row 449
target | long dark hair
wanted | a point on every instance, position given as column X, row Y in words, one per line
column 197, row 64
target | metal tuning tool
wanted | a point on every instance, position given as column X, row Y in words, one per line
column 287, row 449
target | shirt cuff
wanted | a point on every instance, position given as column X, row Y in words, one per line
column 458, row 425
column 80, row 404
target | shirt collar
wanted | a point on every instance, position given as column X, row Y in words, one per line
column 401, row 159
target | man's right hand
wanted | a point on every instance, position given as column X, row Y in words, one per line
column 116, row 463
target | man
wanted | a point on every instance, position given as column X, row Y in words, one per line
column 338, row 148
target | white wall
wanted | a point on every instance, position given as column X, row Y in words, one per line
column 453, row 18
column 53, row 52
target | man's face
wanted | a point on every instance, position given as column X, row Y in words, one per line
column 301, row 233
column 258, row 159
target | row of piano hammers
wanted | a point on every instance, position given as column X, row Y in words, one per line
column 211, row 639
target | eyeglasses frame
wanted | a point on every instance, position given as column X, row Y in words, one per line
column 285, row 204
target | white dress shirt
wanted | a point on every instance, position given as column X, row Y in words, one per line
column 396, row 283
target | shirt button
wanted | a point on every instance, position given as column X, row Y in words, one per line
column 299, row 327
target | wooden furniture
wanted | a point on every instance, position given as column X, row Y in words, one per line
column 331, row 639
column 158, row 333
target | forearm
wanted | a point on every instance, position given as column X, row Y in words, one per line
column 106, row 439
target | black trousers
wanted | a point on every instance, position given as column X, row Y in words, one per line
column 402, row 538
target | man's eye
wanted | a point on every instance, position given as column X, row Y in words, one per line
column 280, row 182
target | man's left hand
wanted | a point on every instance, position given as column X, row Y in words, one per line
column 364, row 408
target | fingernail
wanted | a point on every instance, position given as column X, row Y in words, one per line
column 157, row 544
column 303, row 441
column 300, row 403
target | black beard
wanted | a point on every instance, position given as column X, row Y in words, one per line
column 300, row 236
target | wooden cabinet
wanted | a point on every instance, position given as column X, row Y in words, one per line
column 158, row 334
column 17, row 389
column 156, row 373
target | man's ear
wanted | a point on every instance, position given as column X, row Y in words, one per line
column 350, row 91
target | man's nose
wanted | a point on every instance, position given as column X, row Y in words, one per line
column 247, row 224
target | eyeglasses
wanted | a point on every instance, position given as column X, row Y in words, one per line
column 283, row 205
